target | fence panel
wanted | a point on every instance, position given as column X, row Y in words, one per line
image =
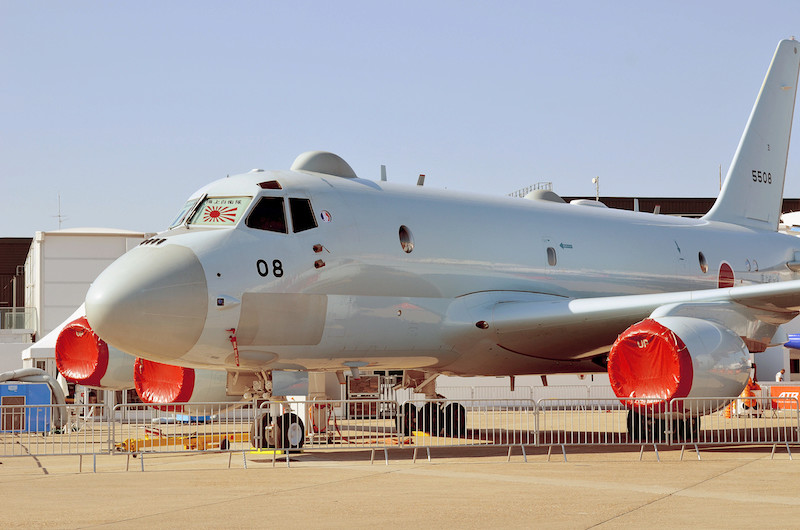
column 361, row 424
column 180, row 427
column 743, row 421
column 471, row 422
column 327, row 424
column 38, row 430
column 596, row 421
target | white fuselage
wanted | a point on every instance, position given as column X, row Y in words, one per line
column 347, row 294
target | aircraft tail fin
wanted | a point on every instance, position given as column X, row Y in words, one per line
column 752, row 194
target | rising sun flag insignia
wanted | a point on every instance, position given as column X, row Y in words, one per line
column 219, row 214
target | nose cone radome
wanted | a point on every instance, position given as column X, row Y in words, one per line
column 151, row 302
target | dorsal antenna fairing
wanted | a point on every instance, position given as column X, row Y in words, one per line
column 325, row 163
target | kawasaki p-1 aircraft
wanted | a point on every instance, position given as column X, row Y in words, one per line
column 316, row 269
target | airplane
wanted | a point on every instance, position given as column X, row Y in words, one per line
column 315, row 269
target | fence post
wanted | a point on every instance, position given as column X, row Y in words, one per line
column 669, row 428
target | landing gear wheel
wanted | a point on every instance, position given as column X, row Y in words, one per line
column 686, row 430
column 429, row 418
column 455, row 420
column 292, row 433
column 407, row 419
column 260, row 432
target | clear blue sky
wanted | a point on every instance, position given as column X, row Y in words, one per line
column 127, row 107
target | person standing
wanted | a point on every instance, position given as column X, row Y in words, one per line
column 779, row 375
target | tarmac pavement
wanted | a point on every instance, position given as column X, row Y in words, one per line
column 466, row 488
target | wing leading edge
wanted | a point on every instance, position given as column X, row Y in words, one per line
column 552, row 327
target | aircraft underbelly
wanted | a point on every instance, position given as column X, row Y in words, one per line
column 568, row 342
column 327, row 332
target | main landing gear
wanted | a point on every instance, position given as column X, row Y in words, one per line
column 272, row 428
column 434, row 418
column 649, row 429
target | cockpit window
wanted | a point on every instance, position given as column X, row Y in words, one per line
column 268, row 214
column 183, row 213
column 220, row 211
column 302, row 215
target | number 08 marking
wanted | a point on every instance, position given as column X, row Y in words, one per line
column 263, row 268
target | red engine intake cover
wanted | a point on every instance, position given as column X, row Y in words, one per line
column 650, row 362
column 163, row 383
column 81, row 356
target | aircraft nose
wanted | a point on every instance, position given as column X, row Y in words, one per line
column 151, row 302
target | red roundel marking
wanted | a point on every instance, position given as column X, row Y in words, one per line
column 725, row 276
column 162, row 383
column 649, row 362
column 81, row 356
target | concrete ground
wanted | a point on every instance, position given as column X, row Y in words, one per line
column 469, row 488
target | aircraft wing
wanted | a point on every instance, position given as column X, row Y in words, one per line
column 548, row 326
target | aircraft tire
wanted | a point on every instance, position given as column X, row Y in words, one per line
column 454, row 417
column 292, row 433
column 686, row 430
column 429, row 418
column 407, row 419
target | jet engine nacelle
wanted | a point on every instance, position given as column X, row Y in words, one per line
column 84, row 358
column 671, row 357
column 163, row 383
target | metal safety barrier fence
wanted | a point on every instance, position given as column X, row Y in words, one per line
column 382, row 424
column 687, row 421
column 291, row 426
column 182, row 427
column 39, row 430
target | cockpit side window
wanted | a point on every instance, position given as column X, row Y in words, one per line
column 268, row 214
column 183, row 213
column 302, row 215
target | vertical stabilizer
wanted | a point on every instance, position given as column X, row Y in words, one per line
column 753, row 190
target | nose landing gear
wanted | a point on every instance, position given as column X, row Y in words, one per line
column 274, row 428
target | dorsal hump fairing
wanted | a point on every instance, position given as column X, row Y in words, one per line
column 752, row 194
column 323, row 162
